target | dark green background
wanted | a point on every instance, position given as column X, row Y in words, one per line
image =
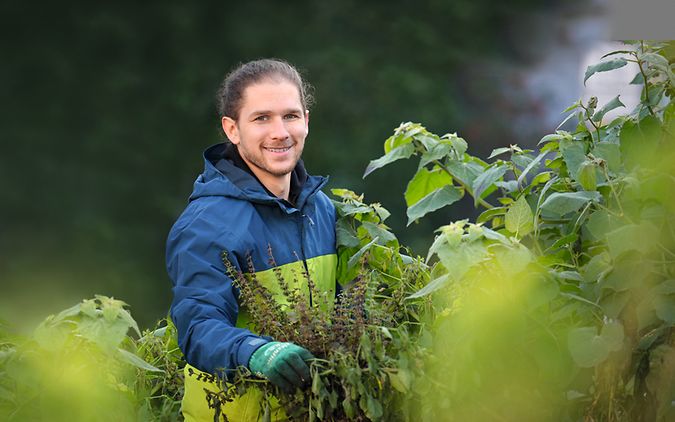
column 107, row 108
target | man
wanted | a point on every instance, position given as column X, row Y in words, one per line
column 254, row 193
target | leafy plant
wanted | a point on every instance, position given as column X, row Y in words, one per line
column 589, row 219
column 367, row 346
column 81, row 364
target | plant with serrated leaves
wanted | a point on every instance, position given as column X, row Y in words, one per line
column 564, row 308
column 81, row 365
column 367, row 346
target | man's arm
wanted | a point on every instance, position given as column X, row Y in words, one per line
column 204, row 307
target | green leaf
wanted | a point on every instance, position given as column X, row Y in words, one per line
column 632, row 237
column 345, row 233
column 638, row 80
column 589, row 349
column 530, row 166
column 610, row 153
column 403, row 151
column 437, row 199
column 664, row 301
column 378, row 231
column 541, row 178
column 604, row 67
column 551, row 137
column 137, row 361
column 563, row 241
column 433, row 285
column 486, row 180
column 374, row 408
column 499, row 151
column 465, row 171
column 560, row 204
column 565, row 120
column 436, row 152
column 611, row 105
column 574, row 154
column 357, row 256
column 586, row 176
column 489, row 214
column 458, row 144
column 424, row 182
column 519, row 218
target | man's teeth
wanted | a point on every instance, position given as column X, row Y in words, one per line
column 279, row 149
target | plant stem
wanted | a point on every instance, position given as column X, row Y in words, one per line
column 644, row 78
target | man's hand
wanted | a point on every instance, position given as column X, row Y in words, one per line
column 284, row 364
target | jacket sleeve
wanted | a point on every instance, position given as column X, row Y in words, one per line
column 204, row 307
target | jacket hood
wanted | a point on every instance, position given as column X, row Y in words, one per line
column 223, row 177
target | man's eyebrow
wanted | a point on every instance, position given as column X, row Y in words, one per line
column 286, row 111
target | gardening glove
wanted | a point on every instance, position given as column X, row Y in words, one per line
column 283, row 364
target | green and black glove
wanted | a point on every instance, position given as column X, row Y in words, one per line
column 283, row 364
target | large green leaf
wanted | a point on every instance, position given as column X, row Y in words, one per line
column 611, row 105
column 519, row 218
column 398, row 153
column 433, row 285
column 604, row 67
column 632, row 237
column 574, row 154
column 436, row 152
column 465, row 171
column 586, row 175
column 345, row 233
column 609, row 152
column 486, row 180
column 378, row 231
column 437, row 199
column 561, row 203
column 424, row 182
column 589, row 349
column 357, row 256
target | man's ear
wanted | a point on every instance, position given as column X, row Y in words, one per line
column 307, row 122
column 230, row 129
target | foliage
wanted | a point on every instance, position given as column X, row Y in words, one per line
column 557, row 304
column 81, row 365
column 573, row 282
column 368, row 346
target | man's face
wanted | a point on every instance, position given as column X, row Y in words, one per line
column 271, row 129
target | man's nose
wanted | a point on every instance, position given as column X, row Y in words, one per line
column 278, row 129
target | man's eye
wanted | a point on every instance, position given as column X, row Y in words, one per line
column 291, row 116
column 261, row 118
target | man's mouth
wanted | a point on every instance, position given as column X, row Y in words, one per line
column 278, row 150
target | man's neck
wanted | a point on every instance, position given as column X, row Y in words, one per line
column 279, row 186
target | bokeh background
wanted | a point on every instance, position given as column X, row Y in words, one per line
column 106, row 109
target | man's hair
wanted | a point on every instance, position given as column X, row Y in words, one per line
column 231, row 91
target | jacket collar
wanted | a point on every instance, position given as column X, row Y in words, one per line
column 226, row 174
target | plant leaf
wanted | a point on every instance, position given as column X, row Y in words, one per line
column 611, row 105
column 433, row 285
column 560, row 204
column 604, row 67
column 498, row 151
column 487, row 179
column 137, row 361
column 357, row 256
column 403, row 151
column 424, row 182
column 437, row 199
column 519, row 218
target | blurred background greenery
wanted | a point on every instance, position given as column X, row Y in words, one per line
column 107, row 108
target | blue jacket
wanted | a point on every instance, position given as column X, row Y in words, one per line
column 229, row 210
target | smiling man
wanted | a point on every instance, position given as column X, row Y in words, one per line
column 254, row 193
